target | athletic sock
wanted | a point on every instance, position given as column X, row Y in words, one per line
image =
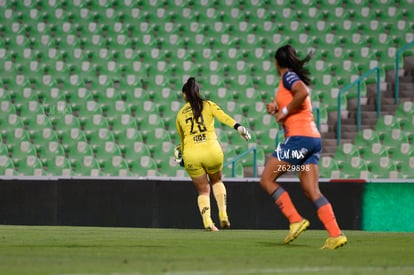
column 283, row 201
column 327, row 217
column 220, row 194
column 204, row 207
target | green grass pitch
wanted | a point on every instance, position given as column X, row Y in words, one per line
column 97, row 250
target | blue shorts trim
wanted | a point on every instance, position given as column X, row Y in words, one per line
column 299, row 150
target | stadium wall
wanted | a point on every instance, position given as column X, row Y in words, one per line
column 161, row 202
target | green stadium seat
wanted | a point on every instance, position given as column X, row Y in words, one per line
column 163, row 97
column 29, row 166
column 238, row 170
column 135, row 149
column 328, row 168
column 345, row 152
column 406, row 170
column 78, row 150
column 386, row 55
column 4, row 150
column 9, row 119
column 94, row 123
column 310, row 14
column 128, row 136
column 6, row 166
column 149, row 122
column 58, row 70
column 14, row 136
column 336, row 13
column 384, row 168
column 87, row 166
column 37, row 122
column 355, row 168
column 362, row 13
column 400, row 154
column 20, row 150
column 405, row 108
column 233, row 107
column 79, row 97
column 100, row 136
column 247, row 161
column 267, row 140
column 169, row 168
column 407, row 124
column 366, row 137
column 255, row 116
column 222, row 94
column 345, row 72
column 88, row 109
column 320, row 68
column 110, row 100
column 144, row 166
column 58, row 109
column 18, row 42
column 4, row 94
column 58, row 166
column 392, row 139
column 106, row 149
column 7, row 108
column 42, row 137
column 385, row 123
column 122, row 122
column 24, row 58
column 81, row 15
column 115, row 166
column 163, row 151
column 374, row 151
column 16, row 83
column 62, row 122
column 156, row 136
column 240, row 84
column 71, row 136
column 330, row 100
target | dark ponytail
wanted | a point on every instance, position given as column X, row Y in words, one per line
column 192, row 90
column 286, row 58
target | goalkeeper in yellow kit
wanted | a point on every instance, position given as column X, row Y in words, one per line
column 200, row 151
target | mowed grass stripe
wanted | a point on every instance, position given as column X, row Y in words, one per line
column 96, row 250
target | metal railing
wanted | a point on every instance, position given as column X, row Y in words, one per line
column 318, row 117
column 397, row 64
column 349, row 86
column 239, row 157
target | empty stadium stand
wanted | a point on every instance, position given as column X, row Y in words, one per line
column 92, row 87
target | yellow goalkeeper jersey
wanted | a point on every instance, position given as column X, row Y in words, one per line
column 201, row 132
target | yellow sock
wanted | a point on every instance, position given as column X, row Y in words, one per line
column 220, row 194
column 204, row 207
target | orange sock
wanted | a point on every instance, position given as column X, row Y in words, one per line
column 327, row 217
column 283, row 201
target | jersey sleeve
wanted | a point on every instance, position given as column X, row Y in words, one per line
column 289, row 79
column 179, row 131
column 220, row 114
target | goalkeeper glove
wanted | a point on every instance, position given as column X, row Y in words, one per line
column 243, row 132
column 178, row 156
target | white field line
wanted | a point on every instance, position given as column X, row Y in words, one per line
column 311, row 269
